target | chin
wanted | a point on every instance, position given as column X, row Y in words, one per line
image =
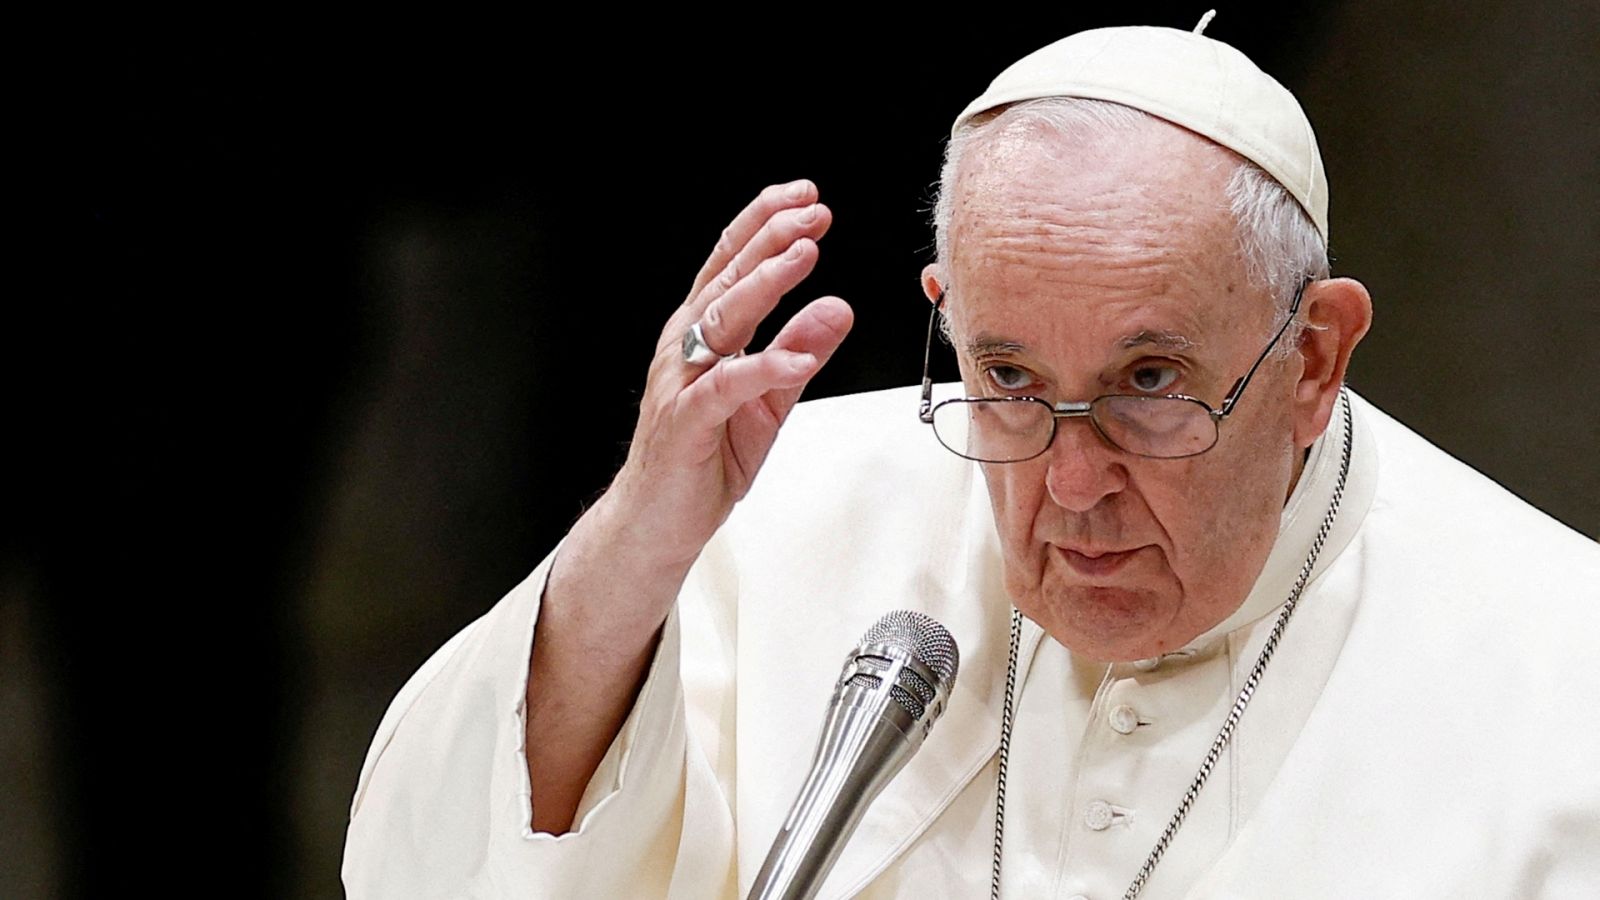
column 1108, row 624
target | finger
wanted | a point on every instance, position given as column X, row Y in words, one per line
column 738, row 233
column 817, row 330
column 715, row 396
column 730, row 323
column 779, row 233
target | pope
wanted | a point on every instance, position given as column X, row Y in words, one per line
column 1229, row 629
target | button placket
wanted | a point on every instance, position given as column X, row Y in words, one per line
column 1148, row 727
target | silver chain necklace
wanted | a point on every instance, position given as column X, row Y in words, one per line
column 1224, row 735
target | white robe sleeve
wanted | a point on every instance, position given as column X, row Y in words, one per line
column 442, row 805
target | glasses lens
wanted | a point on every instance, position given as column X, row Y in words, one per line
column 1166, row 427
column 994, row 430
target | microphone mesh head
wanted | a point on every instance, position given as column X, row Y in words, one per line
column 928, row 642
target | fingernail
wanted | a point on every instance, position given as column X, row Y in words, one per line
column 801, row 363
column 796, row 250
column 797, row 190
column 808, row 215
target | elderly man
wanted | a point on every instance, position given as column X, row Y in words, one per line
column 1226, row 629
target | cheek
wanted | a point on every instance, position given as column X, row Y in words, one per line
column 1200, row 521
column 1226, row 517
column 1016, row 493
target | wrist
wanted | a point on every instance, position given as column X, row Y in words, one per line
column 616, row 568
column 646, row 535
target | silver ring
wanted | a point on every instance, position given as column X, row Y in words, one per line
column 696, row 352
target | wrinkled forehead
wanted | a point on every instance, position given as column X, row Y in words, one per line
column 1142, row 210
column 1147, row 165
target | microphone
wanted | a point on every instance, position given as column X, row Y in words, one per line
column 894, row 685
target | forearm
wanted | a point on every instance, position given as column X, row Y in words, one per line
column 599, row 624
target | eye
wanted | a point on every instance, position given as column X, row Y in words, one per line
column 1009, row 378
column 1151, row 379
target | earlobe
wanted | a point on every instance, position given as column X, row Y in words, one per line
column 931, row 285
column 1338, row 314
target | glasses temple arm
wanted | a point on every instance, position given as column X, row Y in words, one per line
column 925, row 408
column 1242, row 383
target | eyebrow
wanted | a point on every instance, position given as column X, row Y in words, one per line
column 984, row 345
column 1166, row 340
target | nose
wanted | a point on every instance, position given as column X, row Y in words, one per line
column 1083, row 468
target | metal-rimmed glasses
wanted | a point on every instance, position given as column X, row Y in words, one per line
column 1016, row 429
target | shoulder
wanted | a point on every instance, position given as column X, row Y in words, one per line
column 859, row 503
column 1428, row 498
column 1465, row 656
column 1466, row 584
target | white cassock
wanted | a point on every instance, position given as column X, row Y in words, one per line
column 1428, row 727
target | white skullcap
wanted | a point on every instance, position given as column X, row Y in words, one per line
column 1188, row 79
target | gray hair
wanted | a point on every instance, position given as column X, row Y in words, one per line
column 1277, row 240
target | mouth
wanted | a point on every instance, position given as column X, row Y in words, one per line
column 1091, row 564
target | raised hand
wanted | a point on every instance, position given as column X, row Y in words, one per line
column 704, row 430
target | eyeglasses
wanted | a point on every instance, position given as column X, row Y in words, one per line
column 1015, row 429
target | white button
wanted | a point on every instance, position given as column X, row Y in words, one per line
column 1147, row 665
column 1098, row 816
column 1124, row 719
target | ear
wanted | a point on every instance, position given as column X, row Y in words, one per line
column 1339, row 312
column 931, row 285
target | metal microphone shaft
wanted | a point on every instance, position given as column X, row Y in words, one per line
column 894, row 685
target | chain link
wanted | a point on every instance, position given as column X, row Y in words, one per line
column 1005, row 753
